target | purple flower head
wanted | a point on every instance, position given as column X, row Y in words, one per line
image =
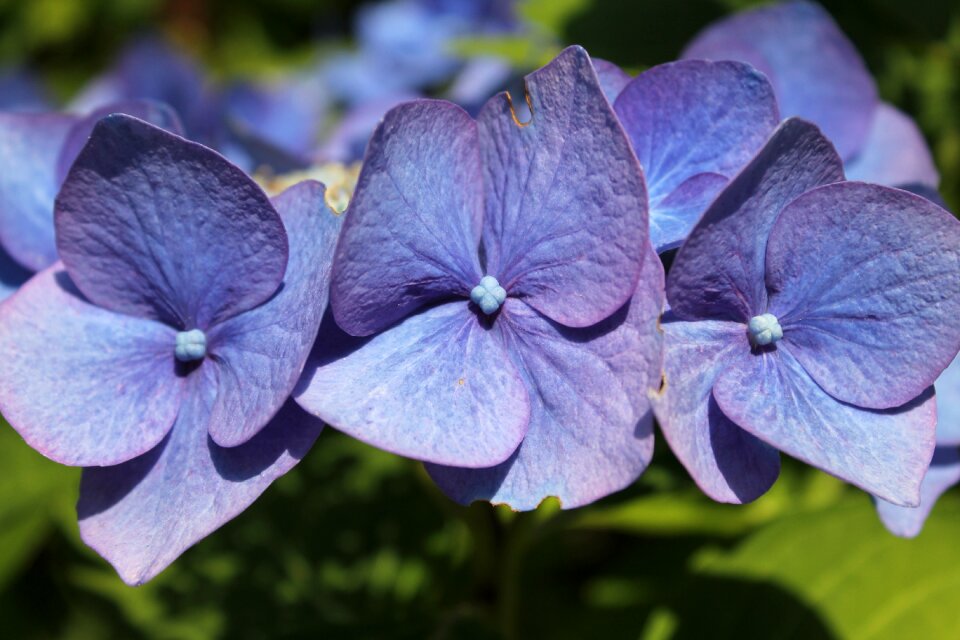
column 693, row 125
column 36, row 151
column 818, row 75
column 160, row 353
column 809, row 315
column 505, row 296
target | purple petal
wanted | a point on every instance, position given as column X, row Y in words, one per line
column 886, row 453
column 591, row 428
column 82, row 385
column 894, row 153
column 143, row 514
column 438, row 387
column 944, row 472
column 566, row 203
column 29, row 146
column 864, row 281
column 719, row 271
column 727, row 463
column 413, row 230
column 348, row 142
column 21, row 90
column 152, row 225
column 260, row 354
column 948, row 405
column 691, row 118
column 155, row 113
column 612, row 78
column 815, row 71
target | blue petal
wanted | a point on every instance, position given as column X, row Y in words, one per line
column 864, row 280
column 413, row 230
column 770, row 395
column 894, row 153
column 143, row 514
column 565, row 200
column 438, row 387
column 944, row 473
column 260, row 354
column 82, row 385
column 690, row 118
column 29, row 147
column 815, row 70
column 591, row 428
column 727, row 463
column 719, row 271
column 152, row 225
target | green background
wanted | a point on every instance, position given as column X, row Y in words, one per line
column 357, row 543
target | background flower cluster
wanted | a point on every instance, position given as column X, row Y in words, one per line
column 368, row 532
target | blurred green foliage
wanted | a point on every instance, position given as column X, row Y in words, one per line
column 357, row 543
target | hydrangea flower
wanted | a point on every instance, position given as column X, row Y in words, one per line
column 36, row 151
column 809, row 315
column 818, row 75
column 21, row 91
column 504, row 296
column 160, row 353
column 693, row 125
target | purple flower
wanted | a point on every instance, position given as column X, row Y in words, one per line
column 818, row 75
column 36, row 151
column 809, row 315
column 21, row 91
column 693, row 125
column 160, row 353
column 505, row 296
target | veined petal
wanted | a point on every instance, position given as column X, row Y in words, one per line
column 694, row 117
column 719, row 271
column 566, row 203
column 894, row 153
column 865, row 281
column 727, row 463
column 944, row 472
column 260, row 354
column 591, row 427
column 886, row 453
column 29, row 146
column 815, row 70
column 141, row 515
column 152, row 225
column 413, row 230
column 438, row 387
column 82, row 385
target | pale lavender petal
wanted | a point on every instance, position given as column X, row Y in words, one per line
column 566, row 203
column 944, row 473
column 260, row 354
column 690, row 118
column 591, row 427
column 612, row 78
column 948, row 404
column 29, row 147
column 894, row 153
column 152, row 225
column 141, row 515
column 865, row 281
column 438, row 387
column 769, row 394
column 727, row 463
column 413, row 230
column 82, row 385
column 718, row 272
column 815, row 70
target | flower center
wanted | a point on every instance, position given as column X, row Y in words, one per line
column 191, row 345
column 764, row 329
column 488, row 295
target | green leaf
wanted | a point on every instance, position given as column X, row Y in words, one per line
column 847, row 576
